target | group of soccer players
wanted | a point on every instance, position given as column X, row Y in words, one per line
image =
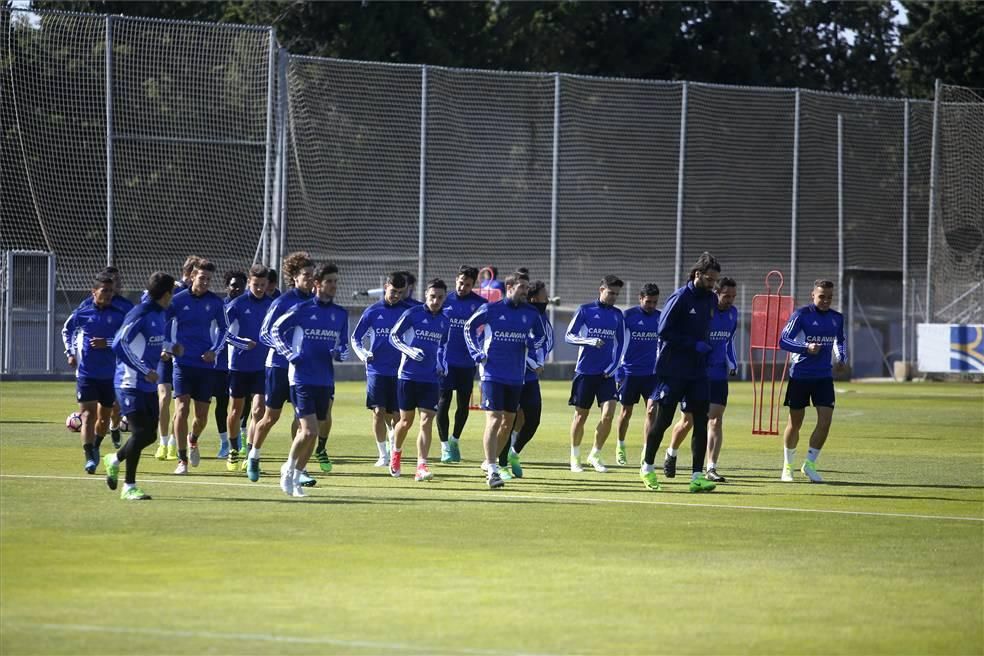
column 256, row 349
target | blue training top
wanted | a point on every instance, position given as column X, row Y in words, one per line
column 594, row 321
column 279, row 308
column 375, row 324
column 198, row 324
column 458, row 309
column 422, row 339
column 808, row 325
column 722, row 359
column 683, row 325
column 312, row 335
column 86, row 322
column 641, row 342
column 138, row 345
column 509, row 332
column 245, row 316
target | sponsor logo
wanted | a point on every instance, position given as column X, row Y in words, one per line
column 509, row 335
column 248, row 311
column 692, row 311
column 320, row 333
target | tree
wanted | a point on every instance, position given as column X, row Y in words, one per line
column 942, row 40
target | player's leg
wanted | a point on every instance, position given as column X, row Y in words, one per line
column 143, row 425
column 662, row 405
column 493, row 398
column 221, row 411
column 823, row 399
column 680, row 432
column 603, row 429
column 182, row 413
column 698, row 444
column 114, row 425
column 444, row 416
column 530, row 404
column 307, row 434
column 622, row 428
column 168, row 447
column 232, row 421
column 715, row 436
column 797, row 398
column 463, row 379
column 424, row 441
column 320, row 450
column 197, row 428
column 89, row 411
column 104, row 414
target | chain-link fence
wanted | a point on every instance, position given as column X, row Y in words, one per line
column 185, row 138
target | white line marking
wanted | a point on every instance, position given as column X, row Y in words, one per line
column 546, row 497
column 265, row 637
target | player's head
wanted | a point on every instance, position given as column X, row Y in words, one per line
column 188, row 268
column 705, row 272
column 517, row 289
column 201, row 276
column 117, row 278
column 610, row 288
column 259, row 278
column 435, row 294
column 326, row 281
column 467, row 277
column 160, row 288
column 822, row 294
column 235, row 283
column 649, row 297
column 537, row 296
column 727, row 290
column 523, row 273
column 103, row 288
column 411, row 281
column 272, row 281
column 395, row 288
column 299, row 269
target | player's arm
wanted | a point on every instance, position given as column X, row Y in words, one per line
column 122, row 345
column 403, row 324
column 472, row 326
column 789, row 338
column 231, row 314
column 840, row 344
column 572, row 336
column 281, row 328
column 618, row 348
column 341, row 350
column 442, row 352
column 68, row 337
column 268, row 320
column 729, row 353
column 359, row 336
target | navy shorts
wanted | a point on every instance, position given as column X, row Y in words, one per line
column 670, row 391
column 133, row 401
column 530, row 396
column 277, row 387
column 801, row 391
column 717, row 392
column 244, row 384
column 312, row 400
column 500, row 397
column 165, row 372
column 381, row 392
column 196, row 382
column 634, row 387
column 220, row 383
column 460, row 380
column 95, row 389
column 586, row 388
column 412, row 394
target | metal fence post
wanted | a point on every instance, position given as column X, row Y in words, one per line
column 284, row 100
column 795, row 209
column 264, row 254
column 278, row 180
column 50, row 317
column 932, row 202
column 421, row 222
column 109, row 140
column 851, row 346
column 905, row 235
column 681, row 161
column 553, row 200
column 8, row 313
column 840, row 211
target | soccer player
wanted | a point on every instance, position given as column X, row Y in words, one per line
column 721, row 363
column 311, row 335
column 421, row 336
column 512, row 330
column 168, row 448
column 460, row 305
column 635, row 373
column 196, row 321
column 530, row 400
column 244, row 317
column 138, row 344
column 599, row 329
column 382, row 360
column 681, row 369
column 87, row 336
column 408, row 291
column 125, row 305
column 299, row 269
column 812, row 334
column 273, row 282
column 235, row 283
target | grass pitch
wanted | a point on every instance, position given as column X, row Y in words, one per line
column 886, row 557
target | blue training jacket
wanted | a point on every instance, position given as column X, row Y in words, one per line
column 641, row 342
column 138, row 345
column 88, row 321
column 684, row 324
column 509, row 332
column 597, row 321
column 375, row 325
column 422, row 339
column 312, row 335
column 809, row 325
column 198, row 324
column 536, row 359
column 244, row 317
column 279, row 308
column 722, row 359
column 459, row 310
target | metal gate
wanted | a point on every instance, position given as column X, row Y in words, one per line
column 29, row 332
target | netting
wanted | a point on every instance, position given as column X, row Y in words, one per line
column 354, row 167
column 958, row 241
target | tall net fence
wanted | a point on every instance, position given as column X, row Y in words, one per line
column 958, row 231
column 142, row 141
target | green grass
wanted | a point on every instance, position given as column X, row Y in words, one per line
column 890, row 558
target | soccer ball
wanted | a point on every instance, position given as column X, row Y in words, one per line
column 124, row 424
column 74, row 422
